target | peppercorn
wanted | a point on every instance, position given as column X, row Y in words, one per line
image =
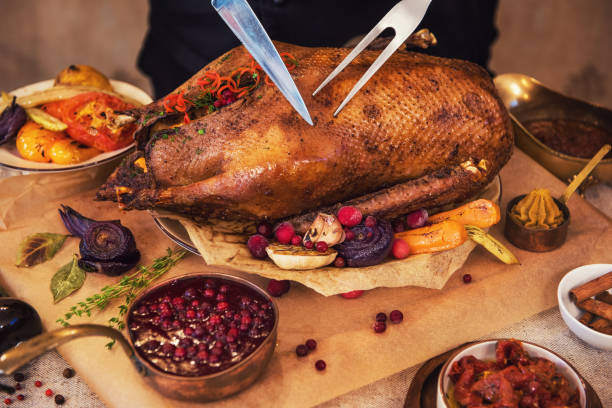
column 59, row 399
column 18, row 377
column 68, row 373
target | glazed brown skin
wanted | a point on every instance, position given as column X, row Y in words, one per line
column 416, row 120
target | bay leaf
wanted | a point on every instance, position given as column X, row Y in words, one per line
column 68, row 279
column 38, row 248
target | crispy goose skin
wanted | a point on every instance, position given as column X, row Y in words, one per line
column 423, row 132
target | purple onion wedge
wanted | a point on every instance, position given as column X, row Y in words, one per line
column 370, row 246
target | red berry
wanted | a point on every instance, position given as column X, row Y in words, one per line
column 380, row 327
column 467, row 278
column 417, row 219
column 349, row 216
column 400, row 249
column 308, row 244
column 381, row 317
column 301, row 350
column 339, row 262
column 38, row 383
column 352, row 294
column 20, row 397
column 218, row 103
column 321, row 246
column 396, row 316
column 349, row 235
column 48, row 392
column 265, row 229
column 296, row 240
column 284, row 232
column 370, row 221
column 320, row 365
column 8, row 401
column 311, row 344
column 257, row 245
column 278, row 288
column 398, row 226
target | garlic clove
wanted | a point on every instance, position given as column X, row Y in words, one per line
column 325, row 228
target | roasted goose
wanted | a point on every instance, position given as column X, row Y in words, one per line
column 423, row 132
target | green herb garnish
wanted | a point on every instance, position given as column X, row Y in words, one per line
column 68, row 279
column 201, row 131
column 129, row 286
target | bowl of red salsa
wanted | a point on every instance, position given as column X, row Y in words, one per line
column 508, row 373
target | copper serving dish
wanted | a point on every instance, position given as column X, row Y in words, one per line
column 527, row 99
column 202, row 388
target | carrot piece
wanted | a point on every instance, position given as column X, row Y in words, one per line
column 434, row 238
column 481, row 213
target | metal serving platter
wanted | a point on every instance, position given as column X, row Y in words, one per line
column 527, row 99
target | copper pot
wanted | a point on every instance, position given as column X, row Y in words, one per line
column 201, row 388
column 527, row 99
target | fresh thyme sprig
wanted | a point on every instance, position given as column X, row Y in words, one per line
column 129, row 286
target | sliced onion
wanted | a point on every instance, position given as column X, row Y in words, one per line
column 370, row 246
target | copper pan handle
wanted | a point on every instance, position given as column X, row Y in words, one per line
column 28, row 350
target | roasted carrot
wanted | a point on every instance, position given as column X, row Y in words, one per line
column 481, row 213
column 433, row 238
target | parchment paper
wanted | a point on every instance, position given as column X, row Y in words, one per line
column 434, row 320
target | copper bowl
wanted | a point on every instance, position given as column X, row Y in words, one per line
column 527, row 99
column 535, row 240
column 201, row 388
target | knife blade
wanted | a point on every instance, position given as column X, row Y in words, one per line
column 241, row 19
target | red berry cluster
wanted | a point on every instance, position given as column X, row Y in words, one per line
column 303, row 350
column 380, row 324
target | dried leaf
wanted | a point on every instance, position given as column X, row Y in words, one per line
column 38, row 248
column 68, row 279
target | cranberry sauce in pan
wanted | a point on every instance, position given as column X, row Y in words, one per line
column 571, row 137
column 199, row 326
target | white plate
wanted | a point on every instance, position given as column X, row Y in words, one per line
column 571, row 313
column 11, row 159
column 178, row 234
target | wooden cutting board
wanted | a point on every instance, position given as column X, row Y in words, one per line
column 434, row 320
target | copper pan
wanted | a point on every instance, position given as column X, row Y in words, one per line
column 527, row 99
column 203, row 388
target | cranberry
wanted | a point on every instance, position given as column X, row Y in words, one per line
column 380, row 327
column 265, row 229
column 222, row 306
column 381, row 317
column 232, row 332
column 244, row 327
column 199, row 331
column 278, row 288
column 308, row 244
column 311, row 344
column 153, row 307
column 370, row 221
column 352, row 294
column 221, row 297
column 349, row 216
column 213, row 359
column 176, row 324
column 467, row 278
column 398, row 226
column 48, row 392
column 301, row 350
column 214, row 319
column 224, row 289
column 20, row 397
column 257, row 245
column 321, row 246
column 396, row 316
column 217, row 351
column 296, row 240
column 284, row 232
column 190, row 314
column 230, row 339
column 246, row 320
column 349, row 235
column 400, row 249
column 179, row 352
column 320, row 365
column 202, row 355
column 210, row 283
column 417, row 219
column 209, row 292
column 178, row 301
column 188, row 331
column 165, row 314
column 167, row 349
column 8, row 401
column 339, row 262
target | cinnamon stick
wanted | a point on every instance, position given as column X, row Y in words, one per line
column 586, row 318
column 592, row 288
column 597, row 307
column 605, row 297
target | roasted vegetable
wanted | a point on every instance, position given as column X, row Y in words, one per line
column 83, row 75
column 11, row 120
column 481, row 213
column 106, row 246
column 434, row 238
column 45, row 120
column 34, row 142
column 491, row 244
column 369, row 246
column 299, row 258
column 68, row 151
column 18, row 322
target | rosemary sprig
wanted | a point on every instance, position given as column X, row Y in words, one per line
column 129, row 286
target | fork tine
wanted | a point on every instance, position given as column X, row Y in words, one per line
column 387, row 52
column 375, row 32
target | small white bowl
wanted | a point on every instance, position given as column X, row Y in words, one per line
column 571, row 313
column 485, row 350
